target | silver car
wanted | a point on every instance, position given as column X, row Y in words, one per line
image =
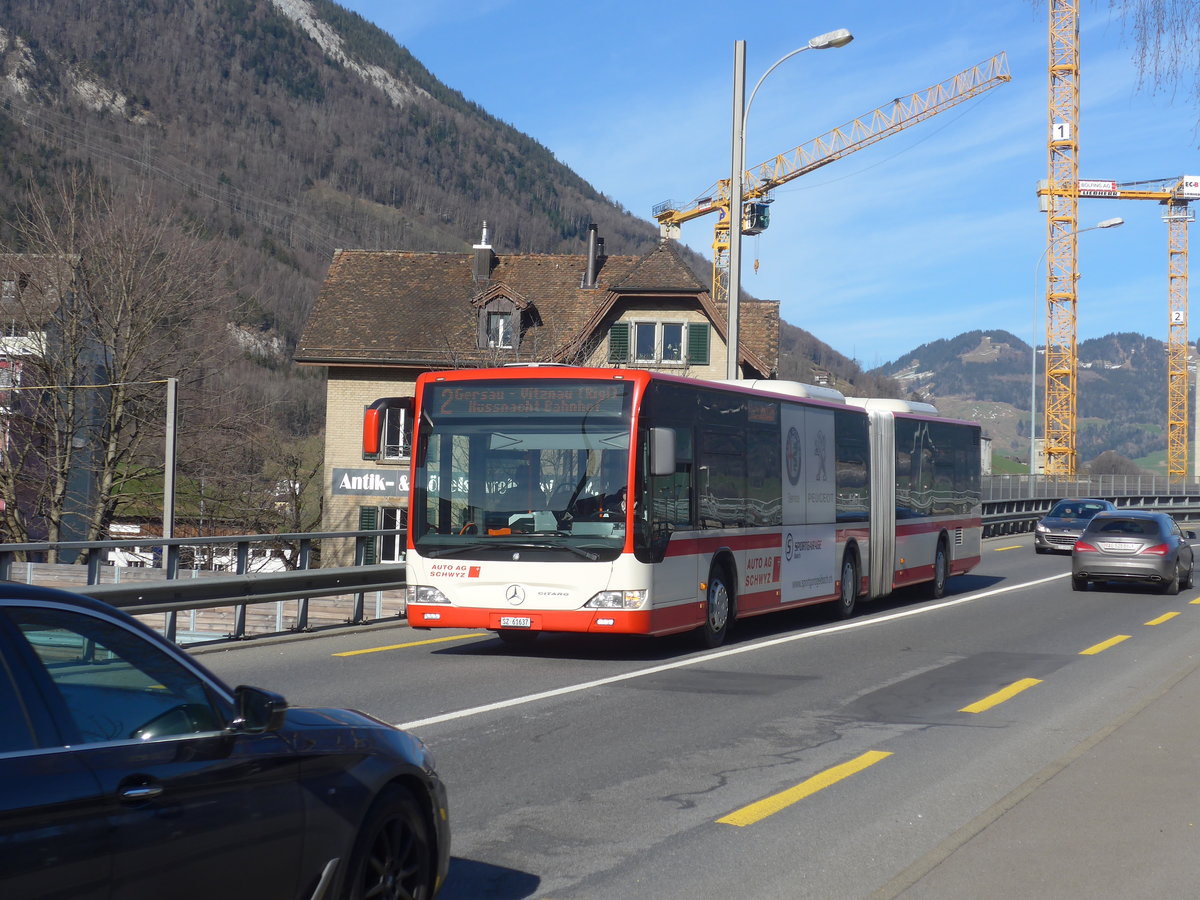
column 1059, row 528
column 1133, row 545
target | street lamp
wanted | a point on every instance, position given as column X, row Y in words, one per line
column 1107, row 223
column 741, row 108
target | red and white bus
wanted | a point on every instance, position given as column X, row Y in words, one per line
column 562, row 499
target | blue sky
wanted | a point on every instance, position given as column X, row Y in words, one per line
column 929, row 233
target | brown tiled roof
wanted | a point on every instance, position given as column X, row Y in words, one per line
column 398, row 308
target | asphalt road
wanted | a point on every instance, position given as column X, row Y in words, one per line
column 808, row 758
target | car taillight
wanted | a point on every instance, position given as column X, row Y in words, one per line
column 1157, row 550
column 1084, row 547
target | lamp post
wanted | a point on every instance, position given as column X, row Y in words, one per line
column 741, row 108
column 1107, row 223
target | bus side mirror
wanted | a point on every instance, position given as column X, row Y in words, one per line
column 386, row 428
column 662, row 451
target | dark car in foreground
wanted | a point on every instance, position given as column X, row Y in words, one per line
column 127, row 770
column 1134, row 545
column 1058, row 530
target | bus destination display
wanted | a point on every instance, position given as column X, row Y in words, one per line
column 540, row 398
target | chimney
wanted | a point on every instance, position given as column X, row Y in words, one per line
column 589, row 278
column 485, row 259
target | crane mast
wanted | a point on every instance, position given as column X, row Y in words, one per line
column 895, row 116
column 1062, row 225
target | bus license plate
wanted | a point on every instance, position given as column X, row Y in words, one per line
column 515, row 622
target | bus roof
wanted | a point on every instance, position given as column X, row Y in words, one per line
column 901, row 406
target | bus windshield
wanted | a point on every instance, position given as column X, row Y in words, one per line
column 535, row 464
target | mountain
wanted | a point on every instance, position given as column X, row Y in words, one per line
column 985, row 375
column 803, row 357
column 287, row 129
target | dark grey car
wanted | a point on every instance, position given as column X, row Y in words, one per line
column 1133, row 545
column 1059, row 528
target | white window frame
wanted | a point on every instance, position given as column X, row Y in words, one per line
column 502, row 337
column 658, row 325
column 391, row 547
column 396, row 435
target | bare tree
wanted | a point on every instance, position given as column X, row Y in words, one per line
column 1167, row 42
column 113, row 300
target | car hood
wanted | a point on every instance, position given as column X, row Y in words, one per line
column 319, row 716
column 340, row 730
column 1056, row 522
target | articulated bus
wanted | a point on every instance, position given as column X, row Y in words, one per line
column 559, row 499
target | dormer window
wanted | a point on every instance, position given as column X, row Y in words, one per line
column 499, row 322
column 500, row 329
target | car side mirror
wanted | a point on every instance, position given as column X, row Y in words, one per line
column 258, row 710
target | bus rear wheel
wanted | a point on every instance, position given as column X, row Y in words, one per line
column 941, row 571
column 718, row 609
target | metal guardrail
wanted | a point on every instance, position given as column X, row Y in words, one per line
column 1021, row 487
column 1013, row 503
column 235, row 590
column 173, row 594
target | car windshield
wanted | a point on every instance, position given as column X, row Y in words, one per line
column 1076, row 510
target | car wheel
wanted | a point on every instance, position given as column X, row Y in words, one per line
column 941, row 571
column 718, row 609
column 1172, row 586
column 1190, row 576
column 1079, row 584
column 849, row 594
column 393, row 855
column 1040, row 550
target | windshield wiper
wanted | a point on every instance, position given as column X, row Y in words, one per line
column 467, row 548
column 509, row 545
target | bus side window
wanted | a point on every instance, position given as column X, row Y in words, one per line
column 670, row 498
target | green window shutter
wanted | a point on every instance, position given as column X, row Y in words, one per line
column 618, row 343
column 697, row 346
column 368, row 520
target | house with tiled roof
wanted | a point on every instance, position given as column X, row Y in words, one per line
column 384, row 317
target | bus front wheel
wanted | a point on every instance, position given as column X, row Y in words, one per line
column 849, row 593
column 718, row 609
column 516, row 638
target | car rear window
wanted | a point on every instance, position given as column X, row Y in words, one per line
column 1125, row 526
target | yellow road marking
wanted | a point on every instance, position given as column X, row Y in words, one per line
column 1104, row 645
column 1013, row 547
column 1195, row 602
column 441, row 640
column 1000, row 696
column 768, row 806
column 1165, row 617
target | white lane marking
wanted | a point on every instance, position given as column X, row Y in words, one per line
column 715, row 655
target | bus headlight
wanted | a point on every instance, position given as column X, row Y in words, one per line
column 420, row 593
column 617, row 600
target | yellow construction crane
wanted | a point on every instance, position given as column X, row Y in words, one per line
column 1175, row 195
column 1062, row 205
column 861, row 132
